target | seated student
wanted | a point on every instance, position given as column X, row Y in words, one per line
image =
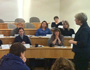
column 66, row 31
column 15, row 59
column 22, row 38
column 1, row 42
column 62, row 64
column 56, row 38
column 15, row 31
column 43, row 30
column 56, row 23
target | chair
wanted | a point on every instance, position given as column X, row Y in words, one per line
column 1, row 21
column 34, row 20
column 11, row 26
column 29, row 25
column 19, row 20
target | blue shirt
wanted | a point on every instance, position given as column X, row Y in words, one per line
column 12, row 62
column 41, row 32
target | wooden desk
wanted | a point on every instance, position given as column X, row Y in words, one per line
column 34, row 40
column 7, row 32
column 44, row 52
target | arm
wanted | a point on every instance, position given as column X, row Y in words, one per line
column 61, row 41
column 83, row 39
column 37, row 33
column 29, row 41
column 52, row 25
column 50, row 31
column 12, row 33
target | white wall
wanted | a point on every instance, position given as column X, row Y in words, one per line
column 44, row 9
column 68, row 9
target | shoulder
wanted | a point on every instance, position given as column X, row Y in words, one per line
column 15, row 29
column 39, row 29
column 71, row 29
column 60, row 23
column 17, row 36
column 53, row 22
column 47, row 29
column 22, row 66
column 25, row 36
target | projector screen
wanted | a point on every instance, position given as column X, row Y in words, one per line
column 10, row 9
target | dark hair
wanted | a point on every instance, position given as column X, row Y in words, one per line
column 63, row 64
column 56, row 17
column 57, row 30
column 46, row 24
column 21, row 28
column 17, row 49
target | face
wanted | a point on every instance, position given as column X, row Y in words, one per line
column 21, row 32
column 65, row 25
column 57, row 33
column 78, row 22
column 20, row 25
column 44, row 25
column 56, row 20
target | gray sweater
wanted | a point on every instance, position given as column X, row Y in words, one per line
column 53, row 38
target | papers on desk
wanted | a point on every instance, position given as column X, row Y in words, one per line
column 27, row 45
column 60, row 47
column 1, row 35
column 6, row 46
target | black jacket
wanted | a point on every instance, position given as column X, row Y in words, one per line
column 83, row 40
column 66, row 32
column 25, row 38
column 54, row 25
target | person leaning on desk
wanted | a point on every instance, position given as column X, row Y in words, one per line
column 22, row 37
column 15, row 59
column 81, row 43
column 56, row 39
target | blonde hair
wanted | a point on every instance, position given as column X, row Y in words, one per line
column 82, row 17
column 67, row 23
column 63, row 64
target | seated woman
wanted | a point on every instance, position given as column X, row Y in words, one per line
column 56, row 23
column 43, row 30
column 63, row 64
column 22, row 38
column 15, row 59
column 66, row 31
column 56, row 38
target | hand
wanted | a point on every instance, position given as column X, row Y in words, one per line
column 23, row 42
column 56, row 37
column 23, row 58
column 73, row 42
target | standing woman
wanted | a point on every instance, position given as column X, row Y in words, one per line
column 81, row 43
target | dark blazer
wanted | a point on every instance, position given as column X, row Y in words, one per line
column 12, row 62
column 83, row 40
column 66, row 32
column 54, row 25
column 1, row 42
column 25, row 38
